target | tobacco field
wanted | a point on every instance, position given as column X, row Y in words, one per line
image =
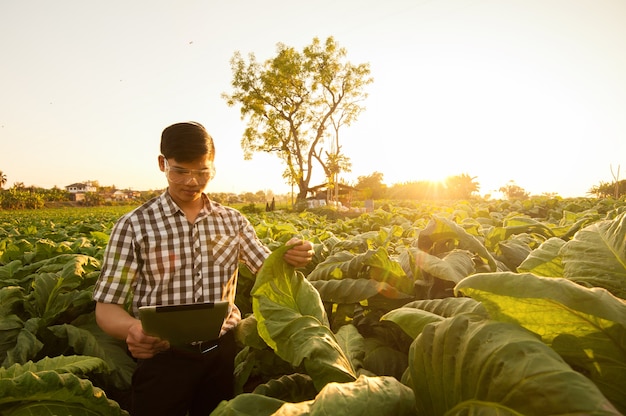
column 415, row 308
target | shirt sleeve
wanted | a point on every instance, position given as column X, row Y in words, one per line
column 119, row 265
column 253, row 251
column 232, row 320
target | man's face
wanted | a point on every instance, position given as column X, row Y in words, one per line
column 187, row 180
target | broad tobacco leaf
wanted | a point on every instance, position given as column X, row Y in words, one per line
column 26, row 345
column 380, row 396
column 449, row 307
column 411, row 320
column 464, row 360
column 86, row 338
column 51, row 387
column 545, row 260
column 454, row 266
column 596, row 256
column 442, row 235
column 290, row 388
column 593, row 321
column 373, row 264
column 347, row 291
column 353, row 343
column 292, row 321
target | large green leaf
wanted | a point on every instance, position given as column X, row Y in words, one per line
column 250, row 404
column 79, row 365
column 516, row 249
column 517, row 225
column 469, row 359
column 291, row 388
column 353, row 345
column 442, row 235
column 453, row 266
column 382, row 359
column 52, row 386
column 55, row 294
column 355, row 290
column 373, row 264
column 598, row 253
column 448, row 307
column 89, row 339
column 7, row 271
column 555, row 308
column 544, row 260
column 380, row 396
column 411, row 320
column 26, row 346
column 546, row 306
column 246, row 333
column 291, row 319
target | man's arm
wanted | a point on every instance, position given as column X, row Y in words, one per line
column 118, row 323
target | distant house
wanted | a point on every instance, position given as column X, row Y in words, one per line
column 81, row 188
column 121, row 195
column 322, row 195
column 78, row 190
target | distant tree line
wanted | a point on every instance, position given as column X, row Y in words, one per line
column 461, row 187
column 609, row 189
column 454, row 187
column 20, row 196
column 372, row 187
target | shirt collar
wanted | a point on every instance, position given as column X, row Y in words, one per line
column 171, row 208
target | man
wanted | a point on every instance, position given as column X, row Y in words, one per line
column 179, row 248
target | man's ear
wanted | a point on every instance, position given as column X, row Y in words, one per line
column 162, row 163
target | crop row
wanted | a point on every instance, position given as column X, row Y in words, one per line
column 427, row 309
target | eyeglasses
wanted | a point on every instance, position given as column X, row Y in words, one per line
column 185, row 176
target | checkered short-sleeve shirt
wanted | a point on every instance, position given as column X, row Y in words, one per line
column 156, row 256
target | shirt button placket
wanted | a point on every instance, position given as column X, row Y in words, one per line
column 197, row 265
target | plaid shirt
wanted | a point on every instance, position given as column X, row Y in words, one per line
column 157, row 257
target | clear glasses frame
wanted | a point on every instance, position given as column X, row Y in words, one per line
column 184, row 176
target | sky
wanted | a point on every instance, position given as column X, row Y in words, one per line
column 530, row 91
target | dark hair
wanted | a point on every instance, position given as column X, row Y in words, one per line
column 186, row 142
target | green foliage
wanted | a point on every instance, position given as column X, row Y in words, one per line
column 613, row 189
column 54, row 386
column 292, row 320
column 444, row 308
column 294, row 101
column 371, row 186
column 49, row 261
column 587, row 327
column 513, row 191
column 465, row 359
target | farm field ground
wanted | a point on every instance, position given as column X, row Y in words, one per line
column 415, row 308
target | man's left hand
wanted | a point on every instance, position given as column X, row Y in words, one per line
column 300, row 254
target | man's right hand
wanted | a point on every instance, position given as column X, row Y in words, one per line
column 144, row 346
column 115, row 321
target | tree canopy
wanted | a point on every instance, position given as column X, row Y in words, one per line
column 295, row 103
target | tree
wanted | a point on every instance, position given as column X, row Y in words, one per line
column 461, row 186
column 336, row 161
column 372, row 186
column 3, row 179
column 608, row 189
column 616, row 191
column 513, row 191
column 289, row 102
column 420, row 190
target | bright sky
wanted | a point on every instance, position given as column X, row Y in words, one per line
column 532, row 91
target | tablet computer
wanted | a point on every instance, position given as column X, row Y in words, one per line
column 186, row 323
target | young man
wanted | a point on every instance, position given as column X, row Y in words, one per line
column 179, row 248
